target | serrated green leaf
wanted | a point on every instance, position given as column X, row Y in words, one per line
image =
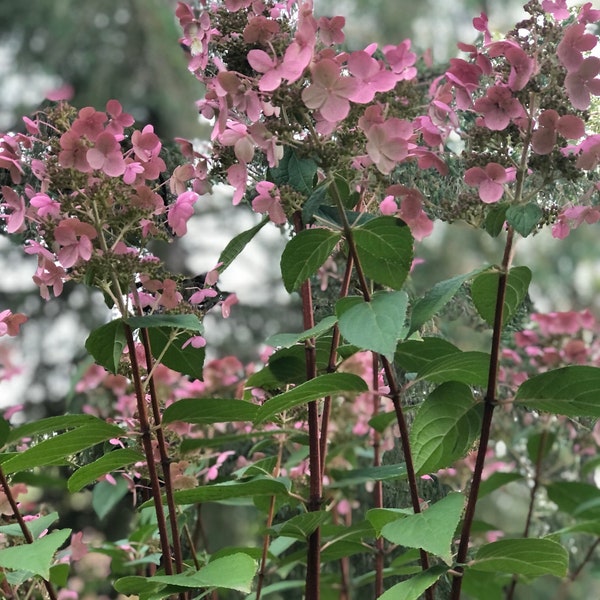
column 415, row 355
column 301, row 526
column 314, row 202
column 572, row 391
column 385, row 250
column 186, row 322
column 36, row 557
column 237, row 244
column 226, row 491
column 285, row 340
column 445, row 427
column 50, row 425
column 61, row 446
column 106, row 344
column 465, row 367
column 379, row 517
column 527, row 557
column 412, row 588
column 495, row 219
column 105, row 464
column 346, row 478
column 376, row 325
column 330, row 384
column 35, row 526
column 210, row 410
column 188, row 360
column 305, row 254
column 524, row 218
column 431, row 530
column 484, row 290
column 426, row 307
column 301, row 173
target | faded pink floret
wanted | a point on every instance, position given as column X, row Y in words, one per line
column 480, row 23
column 411, row 210
column 106, row 155
column 490, row 181
column 388, row 143
column 181, row 211
column 401, row 60
column 575, row 41
column 74, row 239
column 582, row 83
column 557, row 8
column 10, row 323
column 119, row 120
column 269, row 201
column 498, row 108
column 89, row 123
column 587, row 14
column 330, row 91
column 550, row 123
column 15, row 205
column 330, row 30
column 170, row 297
column 371, row 77
column 45, row 206
column 146, row 144
column 73, row 152
column 237, row 176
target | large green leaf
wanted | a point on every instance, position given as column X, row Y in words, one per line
column 106, row 344
column 385, row 250
column 105, row 464
column 301, row 526
column 497, row 480
column 304, row 254
column 294, row 171
column 376, row 325
column 431, row 530
column 426, row 307
column 575, row 498
column 524, row 218
column 36, row 526
column 285, row 340
column 445, row 427
column 412, row 588
column 237, row 244
column 571, row 391
column 484, row 290
column 210, row 410
column 527, row 557
column 37, row 557
column 188, row 360
column 414, row 355
column 330, row 384
column 466, row 367
column 50, row 425
column 60, row 447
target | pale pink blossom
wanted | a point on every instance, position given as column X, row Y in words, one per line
column 89, row 123
column 490, row 181
column 388, row 143
column 557, row 8
column 371, row 77
column 11, row 322
column 181, row 211
column 73, row 152
column 268, row 200
column 480, row 23
column 549, row 124
column 587, row 14
column 106, row 155
column 498, row 108
column 330, row 30
column 401, row 60
column 74, row 239
column 15, row 205
column 170, row 297
column 575, row 41
column 582, row 83
column 45, row 206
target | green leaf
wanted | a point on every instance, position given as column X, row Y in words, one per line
column 466, row 367
column 106, row 345
column 314, row 202
column 495, row 219
column 296, row 172
column 379, row 517
column 237, row 244
column 58, row 448
column 415, row 355
column 36, row 557
column 591, row 527
column 345, row 478
column 188, row 360
column 304, row 254
column 431, row 530
column 185, row 322
column 301, row 526
column 497, row 480
column 385, row 250
column 524, row 218
column 285, row 340
column 479, row 584
column 445, row 427
column 105, row 496
column 485, row 289
column 330, row 384
column 105, row 464
column 376, row 325
column 412, row 588
column 575, row 498
column 426, row 307
column 50, row 425
column 226, row 491
column 35, row 526
column 539, row 444
column 4, row 431
column 210, row 410
column 527, row 557
column 571, row 391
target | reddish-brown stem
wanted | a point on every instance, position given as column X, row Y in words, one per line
column 148, row 451
column 24, row 529
column 486, row 424
column 164, row 456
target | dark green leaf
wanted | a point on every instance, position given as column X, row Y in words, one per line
column 330, row 384
column 210, row 410
column 571, row 496
column 466, row 367
column 105, row 464
column 4, row 431
column 539, row 444
column 524, row 218
column 495, row 219
column 106, row 345
column 412, row 588
column 571, row 391
column 426, row 307
column 497, row 480
column 379, row 517
column 385, row 250
column 188, row 360
column 342, row 479
column 314, row 202
column 105, row 496
column 62, row 446
column 485, row 289
column 445, row 427
column 527, row 557
column 50, row 425
column 301, row 173
column 186, row 322
column 305, row 254
column 376, row 325
column 36, row 526
column 237, row 244
column 301, row 526
column 415, row 355
column 432, row 530
column 285, row 340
